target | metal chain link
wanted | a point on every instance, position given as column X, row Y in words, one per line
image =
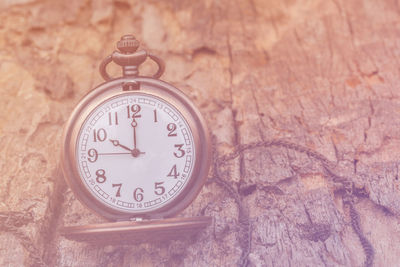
column 348, row 200
column 329, row 167
column 243, row 220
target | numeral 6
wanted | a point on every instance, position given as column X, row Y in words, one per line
column 138, row 194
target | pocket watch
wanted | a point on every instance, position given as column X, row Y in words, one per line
column 135, row 147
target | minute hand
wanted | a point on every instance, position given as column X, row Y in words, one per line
column 134, row 124
column 116, row 143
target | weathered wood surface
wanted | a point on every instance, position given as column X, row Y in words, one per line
column 323, row 76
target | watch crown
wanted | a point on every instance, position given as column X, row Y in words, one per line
column 128, row 44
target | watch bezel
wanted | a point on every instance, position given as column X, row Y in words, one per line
column 156, row 88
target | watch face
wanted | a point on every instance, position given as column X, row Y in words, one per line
column 135, row 152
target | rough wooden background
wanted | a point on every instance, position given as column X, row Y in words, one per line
column 300, row 96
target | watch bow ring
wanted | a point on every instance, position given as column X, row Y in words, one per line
column 129, row 59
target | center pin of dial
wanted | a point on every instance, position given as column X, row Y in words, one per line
column 136, row 152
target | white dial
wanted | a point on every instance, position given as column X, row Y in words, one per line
column 135, row 152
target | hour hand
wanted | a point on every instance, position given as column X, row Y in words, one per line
column 116, row 143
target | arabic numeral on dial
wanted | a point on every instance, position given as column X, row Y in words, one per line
column 171, row 127
column 112, row 120
column 180, row 153
column 138, row 194
column 159, row 189
column 101, row 176
column 118, row 194
column 133, row 111
column 173, row 172
column 99, row 135
column 92, row 153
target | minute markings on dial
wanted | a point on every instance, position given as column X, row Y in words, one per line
column 167, row 146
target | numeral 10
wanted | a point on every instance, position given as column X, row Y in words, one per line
column 99, row 135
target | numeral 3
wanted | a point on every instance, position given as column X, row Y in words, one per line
column 180, row 153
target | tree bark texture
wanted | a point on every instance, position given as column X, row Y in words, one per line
column 302, row 99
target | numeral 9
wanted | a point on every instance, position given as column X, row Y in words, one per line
column 92, row 153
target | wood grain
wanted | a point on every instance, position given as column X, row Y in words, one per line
column 302, row 99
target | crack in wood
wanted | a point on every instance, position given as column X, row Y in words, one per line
column 260, row 129
column 12, row 222
column 244, row 224
column 244, row 237
column 49, row 227
column 14, row 219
